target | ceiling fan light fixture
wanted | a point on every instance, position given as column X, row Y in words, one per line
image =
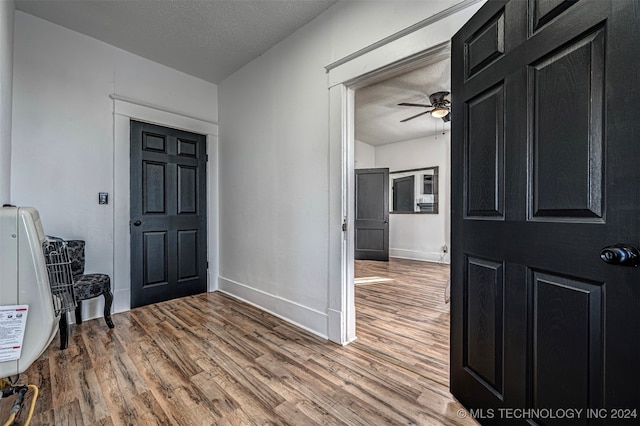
column 439, row 112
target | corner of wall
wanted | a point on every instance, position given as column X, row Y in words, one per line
column 7, row 18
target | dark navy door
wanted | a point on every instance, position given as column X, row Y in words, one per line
column 546, row 173
column 168, row 214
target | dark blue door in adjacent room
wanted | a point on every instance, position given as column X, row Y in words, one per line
column 372, row 214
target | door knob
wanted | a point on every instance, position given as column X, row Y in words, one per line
column 621, row 254
column 137, row 223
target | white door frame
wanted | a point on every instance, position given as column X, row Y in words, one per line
column 125, row 110
column 423, row 43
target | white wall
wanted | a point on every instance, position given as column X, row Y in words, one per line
column 6, row 91
column 273, row 226
column 365, row 155
column 420, row 236
column 275, row 237
column 63, row 150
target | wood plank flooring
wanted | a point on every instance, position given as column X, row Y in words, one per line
column 210, row 359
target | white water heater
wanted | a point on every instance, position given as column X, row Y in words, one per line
column 28, row 321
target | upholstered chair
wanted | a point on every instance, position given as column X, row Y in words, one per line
column 85, row 286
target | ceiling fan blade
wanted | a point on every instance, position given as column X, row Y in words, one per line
column 415, row 116
column 414, row 105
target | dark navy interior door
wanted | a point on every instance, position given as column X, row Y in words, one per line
column 168, row 214
column 546, row 142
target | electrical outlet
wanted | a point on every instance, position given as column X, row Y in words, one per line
column 445, row 249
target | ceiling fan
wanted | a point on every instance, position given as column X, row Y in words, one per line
column 440, row 105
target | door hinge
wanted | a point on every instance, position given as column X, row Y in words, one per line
column 344, row 226
column 206, row 157
column 207, row 264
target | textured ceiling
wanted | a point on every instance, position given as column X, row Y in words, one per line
column 378, row 114
column 206, row 39
column 214, row 38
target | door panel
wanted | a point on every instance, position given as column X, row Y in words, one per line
column 567, row 149
column 484, row 324
column 187, row 189
column 372, row 214
column 486, row 45
column 567, row 342
column 543, row 130
column 485, row 174
column 155, row 253
column 187, row 254
column 154, row 187
column 168, row 214
column 544, row 11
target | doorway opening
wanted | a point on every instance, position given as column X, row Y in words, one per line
column 401, row 303
column 415, row 149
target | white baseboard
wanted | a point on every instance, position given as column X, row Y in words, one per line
column 436, row 257
column 337, row 332
column 212, row 282
column 121, row 301
column 313, row 321
column 91, row 309
column 335, row 326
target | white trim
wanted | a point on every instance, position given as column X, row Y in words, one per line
column 425, row 256
column 124, row 110
column 396, row 50
column 421, row 59
column 349, row 200
column 390, row 53
column 336, row 306
column 140, row 110
column 406, row 31
column 154, row 107
column 306, row 318
column 341, row 319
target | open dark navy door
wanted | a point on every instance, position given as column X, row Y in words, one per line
column 546, row 135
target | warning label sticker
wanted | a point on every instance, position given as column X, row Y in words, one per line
column 13, row 320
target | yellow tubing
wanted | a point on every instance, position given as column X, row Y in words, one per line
column 32, row 408
column 12, row 417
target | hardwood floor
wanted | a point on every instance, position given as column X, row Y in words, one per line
column 210, row 359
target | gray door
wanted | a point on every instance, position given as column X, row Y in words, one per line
column 168, row 214
column 546, row 135
column 372, row 214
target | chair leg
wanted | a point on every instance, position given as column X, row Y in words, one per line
column 79, row 312
column 64, row 331
column 108, row 300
